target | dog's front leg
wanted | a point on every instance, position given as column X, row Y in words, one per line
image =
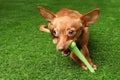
column 78, row 61
column 85, row 52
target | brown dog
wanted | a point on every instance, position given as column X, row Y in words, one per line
column 67, row 26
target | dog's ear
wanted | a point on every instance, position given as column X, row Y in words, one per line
column 47, row 15
column 90, row 17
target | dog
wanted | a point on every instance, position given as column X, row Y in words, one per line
column 69, row 25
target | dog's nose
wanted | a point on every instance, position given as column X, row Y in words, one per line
column 61, row 48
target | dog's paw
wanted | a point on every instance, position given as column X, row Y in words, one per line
column 94, row 66
column 84, row 67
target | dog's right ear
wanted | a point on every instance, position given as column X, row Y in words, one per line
column 47, row 15
column 90, row 17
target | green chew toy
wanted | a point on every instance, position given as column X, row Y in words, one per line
column 77, row 52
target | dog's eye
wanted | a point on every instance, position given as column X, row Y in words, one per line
column 71, row 32
column 55, row 33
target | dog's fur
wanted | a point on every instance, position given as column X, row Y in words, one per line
column 68, row 25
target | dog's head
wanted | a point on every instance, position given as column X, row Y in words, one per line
column 67, row 25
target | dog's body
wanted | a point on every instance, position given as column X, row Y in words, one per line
column 67, row 26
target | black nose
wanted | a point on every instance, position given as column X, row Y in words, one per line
column 61, row 48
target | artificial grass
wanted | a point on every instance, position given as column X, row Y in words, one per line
column 28, row 54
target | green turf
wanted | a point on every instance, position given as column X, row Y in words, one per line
column 28, row 54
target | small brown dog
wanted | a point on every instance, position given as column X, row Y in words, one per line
column 67, row 26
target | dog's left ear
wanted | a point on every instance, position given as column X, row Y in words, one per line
column 46, row 14
column 90, row 17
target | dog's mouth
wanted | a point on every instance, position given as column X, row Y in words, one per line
column 66, row 52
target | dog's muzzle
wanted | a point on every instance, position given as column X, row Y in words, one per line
column 66, row 52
